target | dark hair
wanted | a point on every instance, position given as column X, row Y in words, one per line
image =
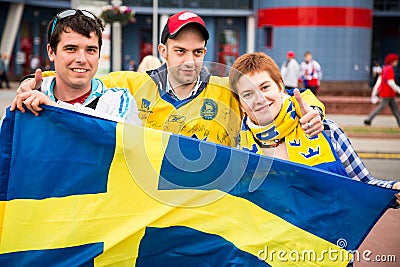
column 79, row 23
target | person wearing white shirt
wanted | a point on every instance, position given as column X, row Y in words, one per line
column 290, row 71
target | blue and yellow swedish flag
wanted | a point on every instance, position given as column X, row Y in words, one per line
column 82, row 191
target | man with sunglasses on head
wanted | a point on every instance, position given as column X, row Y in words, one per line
column 74, row 43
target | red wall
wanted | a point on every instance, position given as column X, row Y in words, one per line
column 307, row 16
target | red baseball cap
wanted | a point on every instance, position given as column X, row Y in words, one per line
column 176, row 22
column 290, row 54
column 390, row 58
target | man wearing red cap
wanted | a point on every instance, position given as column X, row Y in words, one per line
column 387, row 89
column 290, row 71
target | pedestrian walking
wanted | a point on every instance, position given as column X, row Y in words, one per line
column 386, row 88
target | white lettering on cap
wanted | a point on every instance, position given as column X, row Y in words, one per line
column 187, row 15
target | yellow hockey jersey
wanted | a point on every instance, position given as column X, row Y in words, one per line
column 212, row 114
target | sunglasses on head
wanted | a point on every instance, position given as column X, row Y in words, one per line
column 69, row 12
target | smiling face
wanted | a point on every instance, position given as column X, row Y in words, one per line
column 257, row 81
column 75, row 60
column 260, row 97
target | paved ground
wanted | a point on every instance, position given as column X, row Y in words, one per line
column 381, row 248
column 373, row 145
column 358, row 120
column 368, row 143
column 383, row 242
column 388, row 168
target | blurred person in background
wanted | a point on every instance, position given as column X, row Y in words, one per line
column 376, row 71
column 132, row 65
column 290, row 71
column 387, row 88
column 310, row 73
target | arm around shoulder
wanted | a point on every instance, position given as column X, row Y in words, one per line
column 125, row 79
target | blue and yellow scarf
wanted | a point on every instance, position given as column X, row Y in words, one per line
column 312, row 151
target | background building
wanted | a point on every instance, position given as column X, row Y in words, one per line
column 345, row 36
column 338, row 33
